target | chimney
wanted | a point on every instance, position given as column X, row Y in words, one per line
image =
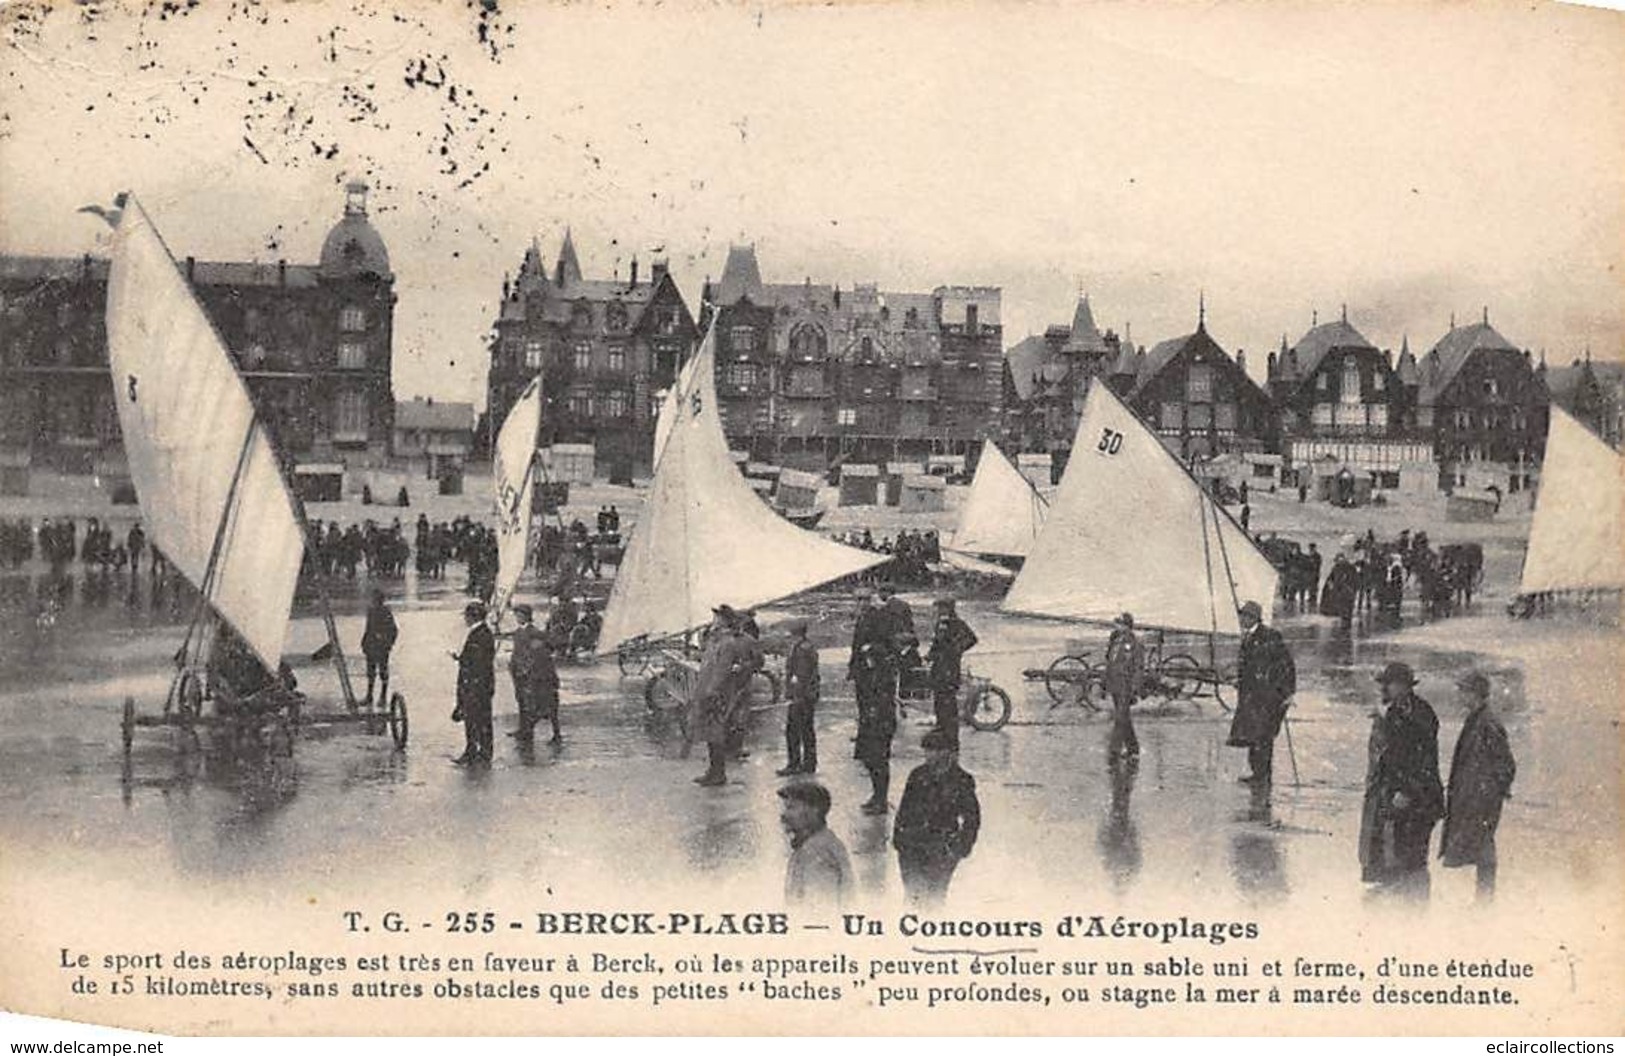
column 282, row 272
column 657, row 270
column 1241, row 359
column 1269, row 366
column 191, row 266
column 837, row 296
column 634, row 281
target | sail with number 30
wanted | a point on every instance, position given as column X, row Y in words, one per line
column 203, row 467
column 513, row 475
column 1130, row 530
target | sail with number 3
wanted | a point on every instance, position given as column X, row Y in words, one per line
column 1131, row 530
column 514, row 476
column 203, row 466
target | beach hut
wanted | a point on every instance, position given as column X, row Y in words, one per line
column 922, row 493
column 569, row 463
column 860, row 484
column 896, row 473
column 798, row 490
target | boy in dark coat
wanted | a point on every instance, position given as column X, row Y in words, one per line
column 1125, row 670
column 1481, row 773
column 1266, row 680
column 1404, row 797
column 938, row 820
column 535, row 679
column 949, row 643
column 801, row 685
column 377, row 641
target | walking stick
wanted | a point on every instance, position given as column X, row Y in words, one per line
column 1286, row 720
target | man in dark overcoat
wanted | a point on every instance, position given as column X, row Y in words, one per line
column 377, row 641
column 873, row 667
column 535, row 678
column 726, row 665
column 476, row 685
column 1481, row 773
column 1125, row 673
column 938, row 820
column 1266, row 680
column 1404, row 797
column 950, row 641
column 1342, row 586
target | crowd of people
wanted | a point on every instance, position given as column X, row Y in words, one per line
column 1368, row 575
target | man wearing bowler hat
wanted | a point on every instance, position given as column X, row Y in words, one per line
column 819, row 872
column 476, row 685
column 1266, row 680
column 801, row 686
column 1404, row 797
column 951, row 638
column 1481, row 773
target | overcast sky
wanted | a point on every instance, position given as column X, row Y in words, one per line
column 1412, row 161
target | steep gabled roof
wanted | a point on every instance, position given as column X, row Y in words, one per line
column 1313, row 346
column 1031, row 358
column 1441, row 365
column 741, row 277
column 1161, row 354
column 1085, row 336
column 568, row 269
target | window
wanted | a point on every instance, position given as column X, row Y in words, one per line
column 1323, row 382
column 1351, row 381
column 581, row 404
column 666, row 320
column 1172, row 417
column 807, row 343
column 970, row 319
column 1201, row 416
column 1224, row 417
column 352, row 355
column 617, row 359
column 615, row 316
column 351, row 319
column 742, row 339
column 742, row 375
column 533, row 354
column 1379, row 381
column 1323, row 412
column 1491, row 388
column 1377, row 415
column 846, row 416
column 1199, row 384
column 615, row 404
column 350, row 416
column 581, row 317
column 583, row 355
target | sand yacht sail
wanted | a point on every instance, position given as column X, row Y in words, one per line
column 704, row 537
column 1575, row 540
column 1003, row 512
column 204, row 468
column 513, row 474
column 1131, row 530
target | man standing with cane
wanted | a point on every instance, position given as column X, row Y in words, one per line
column 1266, row 680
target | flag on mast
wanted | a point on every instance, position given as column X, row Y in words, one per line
column 513, row 475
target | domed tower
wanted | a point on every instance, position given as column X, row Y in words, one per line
column 353, row 392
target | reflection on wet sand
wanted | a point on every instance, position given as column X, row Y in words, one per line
column 1117, row 839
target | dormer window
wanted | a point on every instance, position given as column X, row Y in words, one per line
column 351, row 319
column 617, row 316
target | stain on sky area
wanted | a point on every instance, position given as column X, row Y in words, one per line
column 360, row 97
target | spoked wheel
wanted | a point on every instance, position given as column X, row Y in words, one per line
column 1181, row 676
column 989, row 709
column 668, row 695
column 399, row 725
column 1069, row 681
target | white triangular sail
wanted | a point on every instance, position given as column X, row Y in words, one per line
column 1130, row 530
column 513, row 475
column 202, row 465
column 705, row 538
column 1003, row 512
column 668, row 410
column 1575, row 539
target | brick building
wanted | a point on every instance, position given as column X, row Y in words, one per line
column 313, row 341
column 810, row 374
column 606, row 348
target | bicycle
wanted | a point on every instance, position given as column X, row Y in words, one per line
column 1073, row 679
column 983, row 705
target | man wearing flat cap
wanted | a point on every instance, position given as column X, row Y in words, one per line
column 1125, row 671
column 819, row 872
column 1266, row 680
column 801, row 686
column 1404, row 797
column 476, row 685
column 1481, row 773
column 535, row 679
column 938, row 820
